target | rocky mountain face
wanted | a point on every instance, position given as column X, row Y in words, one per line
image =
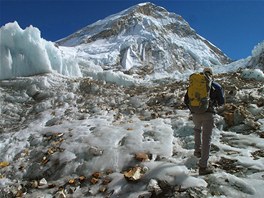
column 144, row 37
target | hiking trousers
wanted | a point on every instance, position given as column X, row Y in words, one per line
column 203, row 126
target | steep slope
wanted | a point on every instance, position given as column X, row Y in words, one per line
column 146, row 37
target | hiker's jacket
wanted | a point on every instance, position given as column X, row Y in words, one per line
column 216, row 97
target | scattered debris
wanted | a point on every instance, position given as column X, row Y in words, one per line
column 60, row 194
column 43, row 182
column 142, row 157
column 229, row 165
column 261, row 134
column 258, row 154
column 4, row 164
column 158, row 101
column 153, row 186
column 133, row 174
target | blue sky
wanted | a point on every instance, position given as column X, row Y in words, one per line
column 233, row 26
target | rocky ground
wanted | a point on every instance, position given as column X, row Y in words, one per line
column 23, row 100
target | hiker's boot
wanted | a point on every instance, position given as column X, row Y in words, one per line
column 205, row 170
column 197, row 154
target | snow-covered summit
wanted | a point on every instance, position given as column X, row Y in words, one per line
column 144, row 36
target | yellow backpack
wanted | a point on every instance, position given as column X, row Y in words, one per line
column 199, row 92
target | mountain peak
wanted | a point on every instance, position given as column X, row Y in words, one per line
column 145, row 35
column 146, row 8
column 146, row 16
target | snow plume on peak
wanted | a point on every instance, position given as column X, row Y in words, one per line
column 25, row 53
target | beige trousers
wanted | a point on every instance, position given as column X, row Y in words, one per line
column 203, row 126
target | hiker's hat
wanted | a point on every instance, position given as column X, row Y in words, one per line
column 208, row 70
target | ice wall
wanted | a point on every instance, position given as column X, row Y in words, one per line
column 25, row 53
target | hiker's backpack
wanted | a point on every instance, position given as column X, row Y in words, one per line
column 199, row 92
